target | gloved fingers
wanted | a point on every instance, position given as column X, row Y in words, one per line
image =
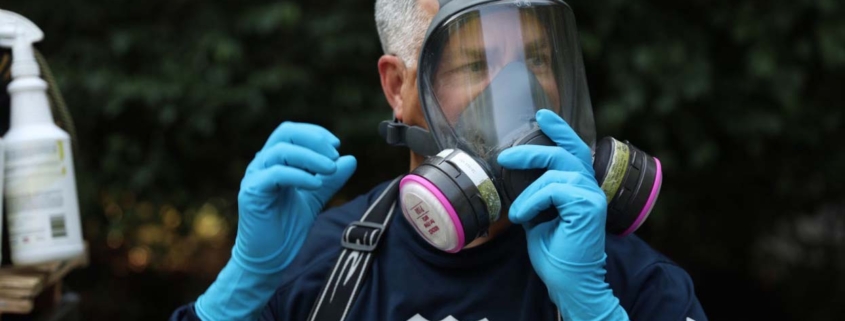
column 278, row 176
column 346, row 166
column 541, row 157
column 565, row 256
column 288, row 154
column 306, row 135
column 551, row 177
column 578, row 204
column 563, row 135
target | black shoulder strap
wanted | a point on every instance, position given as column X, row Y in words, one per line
column 359, row 241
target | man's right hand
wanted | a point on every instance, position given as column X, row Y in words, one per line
column 286, row 185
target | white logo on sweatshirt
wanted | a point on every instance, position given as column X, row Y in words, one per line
column 352, row 260
column 418, row 317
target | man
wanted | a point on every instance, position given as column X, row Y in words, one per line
column 486, row 69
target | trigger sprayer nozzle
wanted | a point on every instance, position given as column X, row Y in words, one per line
column 7, row 31
column 23, row 60
column 20, row 34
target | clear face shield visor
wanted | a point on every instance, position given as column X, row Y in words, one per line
column 486, row 70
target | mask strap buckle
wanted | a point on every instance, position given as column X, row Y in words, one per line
column 416, row 138
column 365, row 241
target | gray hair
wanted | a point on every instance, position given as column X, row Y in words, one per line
column 401, row 27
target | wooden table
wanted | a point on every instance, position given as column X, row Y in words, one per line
column 27, row 291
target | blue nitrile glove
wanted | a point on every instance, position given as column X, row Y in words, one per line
column 567, row 253
column 286, row 185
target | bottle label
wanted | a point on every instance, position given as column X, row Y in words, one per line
column 40, row 193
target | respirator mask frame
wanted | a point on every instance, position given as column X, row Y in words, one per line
column 485, row 69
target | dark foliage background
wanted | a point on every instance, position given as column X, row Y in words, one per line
column 741, row 100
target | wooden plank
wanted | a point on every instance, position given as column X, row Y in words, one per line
column 19, row 306
column 21, row 287
column 12, row 281
column 19, row 293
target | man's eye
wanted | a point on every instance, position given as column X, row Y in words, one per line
column 539, row 64
column 473, row 67
column 540, row 61
column 468, row 73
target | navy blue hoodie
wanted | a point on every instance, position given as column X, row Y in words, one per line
column 412, row 281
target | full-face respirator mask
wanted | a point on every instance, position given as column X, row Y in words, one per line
column 485, row 69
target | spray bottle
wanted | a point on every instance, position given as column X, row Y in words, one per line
column 42, row 207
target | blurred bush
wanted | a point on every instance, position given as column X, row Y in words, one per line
column 741, row 101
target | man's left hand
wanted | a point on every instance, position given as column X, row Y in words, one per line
column 567, row 252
